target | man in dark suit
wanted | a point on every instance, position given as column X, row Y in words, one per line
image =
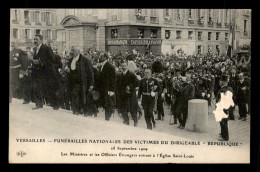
column 43, row 74
column 147, row 89
column 241, row 96
column 16, row 56
column 187, row 93
column 233, row 79
column 25, row 79
column 224, row 79
column 81, row 80
column 127, row 93
column 106, row 85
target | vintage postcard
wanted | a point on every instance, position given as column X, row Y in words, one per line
column 129, row 85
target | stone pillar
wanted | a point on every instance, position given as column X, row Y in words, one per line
column 100, row 37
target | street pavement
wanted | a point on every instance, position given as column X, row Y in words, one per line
column 239, row 131
column 55, row 125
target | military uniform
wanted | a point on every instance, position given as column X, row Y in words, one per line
column 147, row 89
column 160, row 110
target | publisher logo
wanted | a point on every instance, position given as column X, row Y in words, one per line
column 21, row 153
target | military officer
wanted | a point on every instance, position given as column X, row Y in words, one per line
column 147, row 90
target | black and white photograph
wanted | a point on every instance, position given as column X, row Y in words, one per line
column 129, row 85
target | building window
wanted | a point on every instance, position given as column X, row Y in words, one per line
column 209, row 35
column 26, row 17
column 140, row 33
column 167, row 34
column 15, row 33
column 245, row 29
column 190, row 35
column 27, row 33
column 178, row 34
column 167, row 12
column 48, row 18
column 210, row 17
column 153, row 33
column 200, row 36
column 178, row 14
column 199, row 49
column 38, row 31
column 114, row 33
column 226, row 36
column 190, row 14
column 139, row 12
column 217, row 35
column 15, row 15
column 48, row 34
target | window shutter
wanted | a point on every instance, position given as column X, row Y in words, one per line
column 20, row 15
column 52, row 18
column 12, row 14
column 53, row 34
column 31, row 16
column 145, row 12
column 193, row 14
column 21, row 33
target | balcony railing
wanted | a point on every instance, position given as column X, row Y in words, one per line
column 219, row 25
column 179, row 22
column 210, row 24
column 200, row 39
column 114, row 17
column 178, row 37
column 15, row 21
column 48, row 24
column 191, row 22
column 27, row 22
column 140, row 19
column 200, row 23
column 154, row 20
column 190, row 38
column 167, row 20
column 38, row 23
column 226, row 25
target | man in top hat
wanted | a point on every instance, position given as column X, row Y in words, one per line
column 241, row 96
column 147, row 90
column 81, row 80
column 106, row 85
column 43, row 74
column 233, row 79
column 127, row 92
column 224, row 88
column 187, row 93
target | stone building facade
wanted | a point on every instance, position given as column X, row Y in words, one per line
column 25, row 23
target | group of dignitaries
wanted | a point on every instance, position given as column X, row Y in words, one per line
column 84, row 83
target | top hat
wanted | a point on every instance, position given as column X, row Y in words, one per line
column 224, row 78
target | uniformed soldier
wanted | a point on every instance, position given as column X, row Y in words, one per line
column 147, row 89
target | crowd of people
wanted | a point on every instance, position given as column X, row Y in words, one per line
column 132, row 82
